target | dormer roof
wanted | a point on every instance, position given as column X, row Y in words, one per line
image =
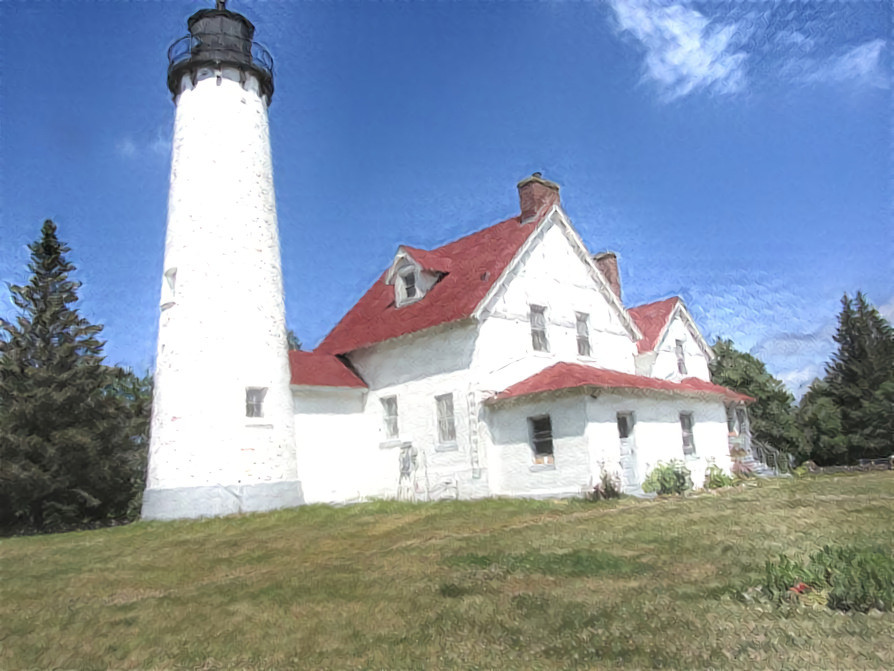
column 654, row 319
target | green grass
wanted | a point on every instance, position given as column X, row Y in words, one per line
column 488, row 584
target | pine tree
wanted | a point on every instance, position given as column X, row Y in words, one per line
column 66, row 453
column 772, row 415
column 849, row 415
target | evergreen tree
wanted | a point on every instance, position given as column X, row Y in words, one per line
column 859, row 386
column 772, row 415
column 820, row 422
column 66, row 453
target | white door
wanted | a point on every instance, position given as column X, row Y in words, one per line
column 629, row 477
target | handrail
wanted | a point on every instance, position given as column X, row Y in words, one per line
column 770, row 456
column 191, row 45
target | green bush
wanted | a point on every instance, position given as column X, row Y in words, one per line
column 672, row 478
column 715, row 478
column 841, row 577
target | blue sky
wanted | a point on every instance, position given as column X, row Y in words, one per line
column 736, row 154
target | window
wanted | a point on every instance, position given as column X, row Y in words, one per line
column 254, row 401
column 742, row 419
column 583, row 333
column 168, row 288
column 681, row 357
column 688, row 441
column 409, row 281
column 389, row 409
column 625, row 424
column 538, row 328
column 542, row 439
column 446, row 421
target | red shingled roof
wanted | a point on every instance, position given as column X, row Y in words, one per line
column 575, row 375
column 651, row 319
column 473, row 265
column 321, row 370
column 429, row 260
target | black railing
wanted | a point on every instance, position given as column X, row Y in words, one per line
column 771, row 457
column 217, row 47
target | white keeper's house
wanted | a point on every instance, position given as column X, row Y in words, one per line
column 502, row 364
column 505, row 364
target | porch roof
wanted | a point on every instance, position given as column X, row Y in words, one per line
column 578, row 376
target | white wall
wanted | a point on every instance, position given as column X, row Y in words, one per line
column 337, row 456
column 552, row 275
column 511, row 467
column 222, row 324
column 657, row 432
column 665, row 362
column 415, row 369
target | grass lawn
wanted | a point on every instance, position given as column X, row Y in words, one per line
column 488, row 584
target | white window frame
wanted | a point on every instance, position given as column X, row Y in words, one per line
column 254, row 401
column 688, row 433
column 446, row 419
column 543, row 444
column 539, row 341
column 582, row 325
column 390, row 417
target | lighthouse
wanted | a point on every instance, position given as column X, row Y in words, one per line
column 223, row 438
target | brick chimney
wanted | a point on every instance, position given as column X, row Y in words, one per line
column 607, row 262
column 536, row 195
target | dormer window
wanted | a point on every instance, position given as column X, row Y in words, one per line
column 408, row 279
column 413, row 278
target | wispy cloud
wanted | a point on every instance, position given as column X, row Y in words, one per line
column 860, row 65
column 799, row 358
column 685, row 51
column 131, row 146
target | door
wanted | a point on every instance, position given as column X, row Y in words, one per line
column 629, row 477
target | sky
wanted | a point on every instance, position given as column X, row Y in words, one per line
column 735, row 154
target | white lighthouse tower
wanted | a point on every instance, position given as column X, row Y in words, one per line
column 222, row 425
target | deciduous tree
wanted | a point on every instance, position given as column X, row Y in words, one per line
column 772, row 415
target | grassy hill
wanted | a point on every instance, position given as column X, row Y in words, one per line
column 487, row 584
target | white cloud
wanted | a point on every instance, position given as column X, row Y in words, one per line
column 159, row 145
column 860, row 65
column 887, row 310
column 685, row 51
column 796, row 39
column 126, row 147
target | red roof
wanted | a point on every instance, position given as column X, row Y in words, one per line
column 575, row 376
column 651, row 320
column 429, row 260
column 472, row 265
column 321, row 370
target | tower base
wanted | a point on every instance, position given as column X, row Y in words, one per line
column 218, row 500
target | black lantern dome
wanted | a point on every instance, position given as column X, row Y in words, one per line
column 218, row 37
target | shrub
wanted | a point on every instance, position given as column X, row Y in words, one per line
column 672, row 478
column 840, row 577
column 609, row 487
column 715, row 478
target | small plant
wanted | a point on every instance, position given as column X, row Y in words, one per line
column 609, row 487
column 839, row 577
column 672, row 478
column 741, row 470
column 715, row 478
